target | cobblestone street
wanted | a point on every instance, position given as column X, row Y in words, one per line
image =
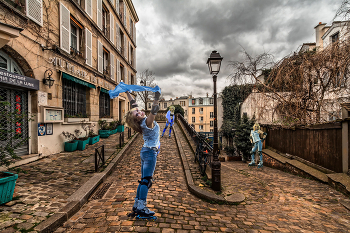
column 275, row 201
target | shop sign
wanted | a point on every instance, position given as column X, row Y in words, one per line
column 18, row 80
column 74, row 70
column 41, row 129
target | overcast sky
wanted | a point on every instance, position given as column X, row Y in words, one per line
column 176, row 37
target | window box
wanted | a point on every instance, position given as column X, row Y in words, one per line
column 73, row 119
column 104, row 133
column 120, row 128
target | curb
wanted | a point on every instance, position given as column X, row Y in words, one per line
column 80, row 197
column 193, row 188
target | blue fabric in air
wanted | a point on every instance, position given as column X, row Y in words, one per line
column 122, row 87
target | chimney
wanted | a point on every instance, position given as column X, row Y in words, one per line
column 176, row 97
column 319, row 31
column 171, row 98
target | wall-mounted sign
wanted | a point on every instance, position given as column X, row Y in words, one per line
column 7, row 77
column 52, row 114
column 41, row 129
column 42, row 98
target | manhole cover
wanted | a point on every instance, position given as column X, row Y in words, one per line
column 101, row 191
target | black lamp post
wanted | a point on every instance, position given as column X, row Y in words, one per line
column 143, row 83
column 48, row 80
column 214, row 63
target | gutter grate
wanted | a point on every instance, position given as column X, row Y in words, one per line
column 101, row 191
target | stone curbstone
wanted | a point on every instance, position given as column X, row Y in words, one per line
column 52, row 223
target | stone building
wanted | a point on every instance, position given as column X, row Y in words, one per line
column 59, row 59
column 164, row 104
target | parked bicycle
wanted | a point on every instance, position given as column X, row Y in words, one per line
column 201, row 155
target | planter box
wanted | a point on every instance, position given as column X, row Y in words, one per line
column 82, row 144
column 70, row 120
column 70, row 146
column 120, row 128
column 7, row 186
column 93, row 140
column 114, row 131
column 104, row 133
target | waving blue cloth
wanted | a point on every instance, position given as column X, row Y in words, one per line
column 122, row 87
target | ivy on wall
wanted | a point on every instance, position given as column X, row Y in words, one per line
column 232, row 98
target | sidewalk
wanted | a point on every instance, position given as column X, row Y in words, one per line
column 44, row 186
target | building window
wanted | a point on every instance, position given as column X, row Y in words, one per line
column 132, row 80
column 211, row 130
column 185, row 112
column 131, row 55
column 200, row 101
column 211, row 114
column 201, row 119
column 149, row 105
column 182, row 103
column 211, row 101
column 335, row 37
column 193, row 110
column 165, row 105
column 193, row 119
column 122, row 75
column 193, row 102
column 105, row 109
column 74, row 98
column 76, row 31
column 104, row 20
column 105, row 61
column 122, row 50
column 211, row 123
column 201, row 110
column 200, row 127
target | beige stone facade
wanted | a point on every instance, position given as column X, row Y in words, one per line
column 86, row 46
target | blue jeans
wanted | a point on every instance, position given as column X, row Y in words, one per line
column 148, row 165
column 257, row 145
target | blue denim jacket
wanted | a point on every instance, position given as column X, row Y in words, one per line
column 150, row 136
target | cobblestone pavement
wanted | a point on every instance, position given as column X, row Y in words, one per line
column 275, row 201
column 43, row 186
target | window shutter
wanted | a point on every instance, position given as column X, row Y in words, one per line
column 129, row 78
column 88, row 7
column 34, row 9
column 100, row 57
column 113, row 2
column 128, row 52
column 126, row 77
column 112, row 67
column 65, row 28
column 124, row 14
column 99, row 14
column 125, row 48
column 88, row 46
column 118, row 36
column 134, row 34
column 111, row 27
column 117, row 6
column 135, row 58
column 118, row 71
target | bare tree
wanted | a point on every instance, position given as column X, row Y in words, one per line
column 146, row 78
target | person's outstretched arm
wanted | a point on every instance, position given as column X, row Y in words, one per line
column 133, row 103
column 154, row 110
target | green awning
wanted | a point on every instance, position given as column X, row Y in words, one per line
column 104, row 90
column 76, row 80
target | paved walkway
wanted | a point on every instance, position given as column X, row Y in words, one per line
column 44, row 185
column 275, row 201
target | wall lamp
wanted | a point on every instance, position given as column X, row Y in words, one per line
column 48, row 80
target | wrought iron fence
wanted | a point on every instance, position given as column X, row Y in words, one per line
column 99, row 157
column 200, row 141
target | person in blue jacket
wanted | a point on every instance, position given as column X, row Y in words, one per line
column 170, row 120
column 149, row 128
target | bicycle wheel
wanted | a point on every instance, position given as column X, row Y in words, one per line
column 202, row 164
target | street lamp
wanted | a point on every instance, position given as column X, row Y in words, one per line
column 48, row 80
column 214, row 63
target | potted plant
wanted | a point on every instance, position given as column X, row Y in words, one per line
column 83, row 141
column 14, row 139
column 93, row 138
column 71, row 144
column 120, row 126
column 104, row 131
column 113, row 126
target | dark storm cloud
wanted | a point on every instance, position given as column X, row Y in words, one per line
column 174, row 38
